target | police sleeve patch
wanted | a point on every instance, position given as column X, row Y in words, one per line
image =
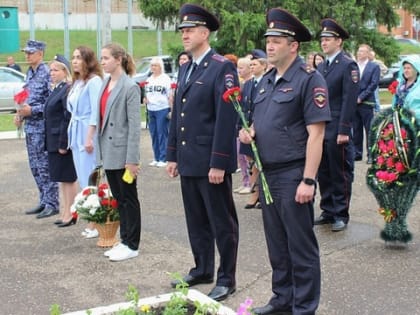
column 320, row 97
column 229, row 81
column 355, row 76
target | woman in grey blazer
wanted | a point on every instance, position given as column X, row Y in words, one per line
column 119, row 144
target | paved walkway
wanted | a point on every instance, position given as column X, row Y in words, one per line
column 41, row 264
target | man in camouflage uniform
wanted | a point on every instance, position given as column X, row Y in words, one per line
column 31, row 113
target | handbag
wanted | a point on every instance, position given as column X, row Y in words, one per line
column 96, row 176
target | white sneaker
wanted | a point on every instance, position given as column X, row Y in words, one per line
column 114, row 249
column 236, row 190
column 123, row 253
column 92, row 233
column 161, row 164
column 153, row 163
column 245, row 190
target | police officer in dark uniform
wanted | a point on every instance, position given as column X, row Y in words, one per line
column 335, row 175
column 202, row 149
column 291, row 110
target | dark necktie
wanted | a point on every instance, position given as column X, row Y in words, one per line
column 191, row 71
column 328, row 63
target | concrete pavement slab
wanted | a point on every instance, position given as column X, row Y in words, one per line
column 41, row 265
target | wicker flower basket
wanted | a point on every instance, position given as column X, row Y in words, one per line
column 107, row 233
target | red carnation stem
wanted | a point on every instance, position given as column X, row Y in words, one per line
column 266, row 189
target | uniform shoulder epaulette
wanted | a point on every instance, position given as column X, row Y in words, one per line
column 218, row 58
column 307, row 68
column 349, row 58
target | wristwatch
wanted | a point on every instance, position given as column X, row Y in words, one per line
column 309, row 181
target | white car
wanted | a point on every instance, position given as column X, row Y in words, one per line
column 11, row 82
column 143, row 67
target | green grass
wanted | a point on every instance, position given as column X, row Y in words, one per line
column 6, row 120
column 385, row 97
column 144, row 43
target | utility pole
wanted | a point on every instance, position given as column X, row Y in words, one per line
column 31, row 20
column 130, row 28
column 103, row 24
column 106, row 19
column 66, row 30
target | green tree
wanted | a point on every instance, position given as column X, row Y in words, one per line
column 160, row 12
column 243, row 21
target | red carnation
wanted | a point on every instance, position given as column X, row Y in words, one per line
column 103, row 186
column 393, row 87
column 114, row 203
column 232, row 93
column 173, row 85
column 143, row 84
column 21, row 96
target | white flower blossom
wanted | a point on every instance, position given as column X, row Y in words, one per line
column 91, row 202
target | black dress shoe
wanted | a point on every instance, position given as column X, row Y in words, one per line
column 358, row 158
column 220, row 293
column 191, row 280
column 59, row 221
column 270, row 310
column 35, row 210
column 47, row 212
column 338, row 225
column 68, row 223
column 251, row 205
column 323, row 220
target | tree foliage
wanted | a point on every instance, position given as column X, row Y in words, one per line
column 243, row 21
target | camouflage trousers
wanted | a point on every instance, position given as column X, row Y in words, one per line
column 38, row 163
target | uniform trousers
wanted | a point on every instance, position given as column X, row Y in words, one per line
column 38, row 163
column 292, row 244
column 128, row 207
column 211, row 216
column 335, row 178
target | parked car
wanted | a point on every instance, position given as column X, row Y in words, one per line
column 390, row 75
column 11, row 82
column 409, row 41
column 143, row 67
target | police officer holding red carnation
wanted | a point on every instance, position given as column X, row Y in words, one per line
column 202, row 149
column 291, row 110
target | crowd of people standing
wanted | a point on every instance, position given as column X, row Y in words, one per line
column 74, row 122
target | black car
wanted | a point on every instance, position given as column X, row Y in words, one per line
column 390, row 76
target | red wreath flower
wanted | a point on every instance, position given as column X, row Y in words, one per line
column 143, row 84
column 389, row 164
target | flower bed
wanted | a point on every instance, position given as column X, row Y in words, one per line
column 155, row 302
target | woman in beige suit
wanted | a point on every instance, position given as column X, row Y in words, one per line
column 118, row 145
